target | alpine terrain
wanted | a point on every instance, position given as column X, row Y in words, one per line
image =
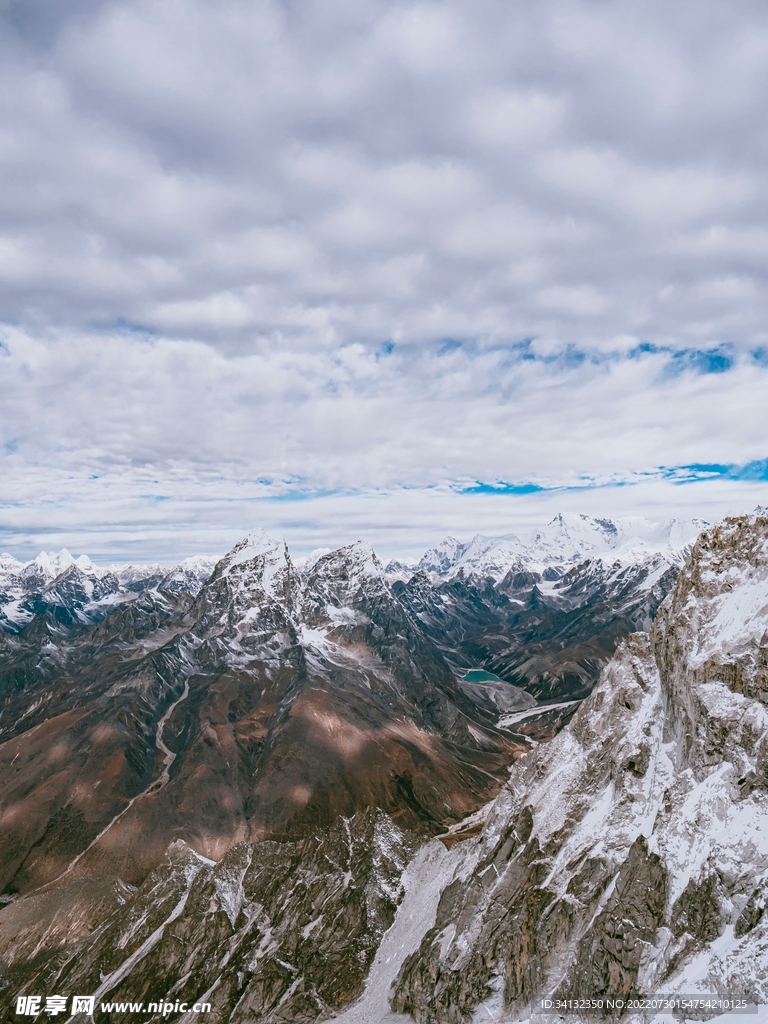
column 222, row 783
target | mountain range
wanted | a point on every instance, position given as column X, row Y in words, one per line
column 224, row 778
column 567, row 540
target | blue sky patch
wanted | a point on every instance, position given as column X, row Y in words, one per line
column 501, row 488
column 695, row 472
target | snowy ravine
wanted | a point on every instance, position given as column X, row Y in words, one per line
column 430, row 871
column 629, row 855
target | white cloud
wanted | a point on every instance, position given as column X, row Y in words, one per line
column 150, row 434
column 215, row 220
column 164, row 157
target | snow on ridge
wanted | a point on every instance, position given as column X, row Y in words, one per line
column 726, row 610
column 197, row 563
column 49, row 565
column 100, row 587
column 260, row 561
column 306, row 563
column 567, row 539
column 9, row 564
column 130, row 572
column 728, row 627
column 359, row 558
column 364, row 559
column 257, row 542
column 442, row 556
column 401, row 569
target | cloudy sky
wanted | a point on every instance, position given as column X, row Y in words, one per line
column 377, row 269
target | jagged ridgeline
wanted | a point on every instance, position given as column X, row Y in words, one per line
column 213, row 780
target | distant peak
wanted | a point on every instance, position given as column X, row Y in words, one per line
column 568, row 538
column 46, row 564
column 195, row 563
column 257, row 542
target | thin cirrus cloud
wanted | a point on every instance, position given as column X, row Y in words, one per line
column 418, row 265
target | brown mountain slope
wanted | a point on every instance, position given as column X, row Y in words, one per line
column 267, row 707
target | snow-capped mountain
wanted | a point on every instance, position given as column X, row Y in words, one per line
column 548, row 633
column 82, row 591
column 567, row 540
column 47, row 566
column 279, row 747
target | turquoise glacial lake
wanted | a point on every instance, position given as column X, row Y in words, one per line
column 479, row 675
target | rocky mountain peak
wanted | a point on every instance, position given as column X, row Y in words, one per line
column 10, row 564
column 258, row 548
column 358, row 560
column 442, row 556
column 720, row 601
column 257, row 579
column 250, row 590
column 347, row 570
column 341, row 587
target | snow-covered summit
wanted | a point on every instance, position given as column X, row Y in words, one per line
column 493, row 556
column 626, row 539
column 257, row 542
column 196, row 564
column 80, row 590
column 9, row 564
column 49, row 566
column 443, row 556
column 358, row 560
column 401, row 569
column 568, row 539
column 46, row 566
column 257, row 570
column 306, row 563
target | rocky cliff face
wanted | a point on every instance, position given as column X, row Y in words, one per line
column 629, row 855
